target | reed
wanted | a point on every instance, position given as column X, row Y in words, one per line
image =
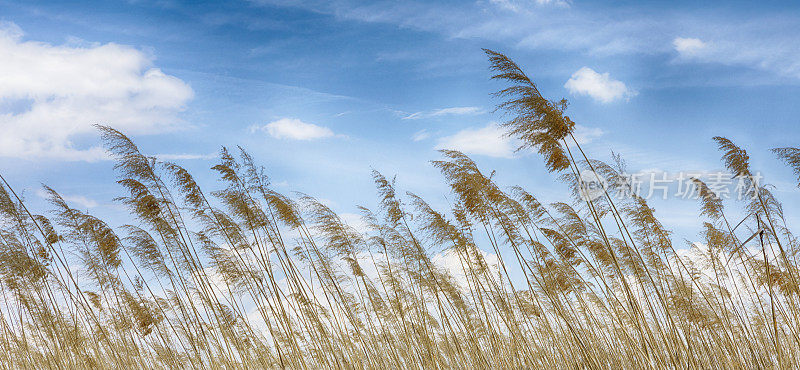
column 244, row 276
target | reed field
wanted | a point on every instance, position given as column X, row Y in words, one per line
column 238, row 275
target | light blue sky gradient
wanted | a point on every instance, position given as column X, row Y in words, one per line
column 390, row 82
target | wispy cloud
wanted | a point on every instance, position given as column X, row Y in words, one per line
column 585, row 135
column 753, row 45
column 52, row 94
column 185, row 156
column 764, row 42
column 355, row 221
column 517, row 5
column 453, row 111
column 294, row 129
column 489, row 140
column 421, row 135
column 76, row 199
column 599, row 86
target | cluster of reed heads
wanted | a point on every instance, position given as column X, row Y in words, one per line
column 247, row 277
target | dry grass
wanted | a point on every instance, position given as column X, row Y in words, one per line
column 246, row 277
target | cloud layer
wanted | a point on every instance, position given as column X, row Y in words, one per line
column 52, row 95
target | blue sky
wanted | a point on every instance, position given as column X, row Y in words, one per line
column 320, row 92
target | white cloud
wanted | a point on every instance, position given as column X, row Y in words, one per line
column 294, row 129
column 600, row 86
column 51, row 95
column 453, row 111
column 76, row 199
column 489, row 140
column 688, row 46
